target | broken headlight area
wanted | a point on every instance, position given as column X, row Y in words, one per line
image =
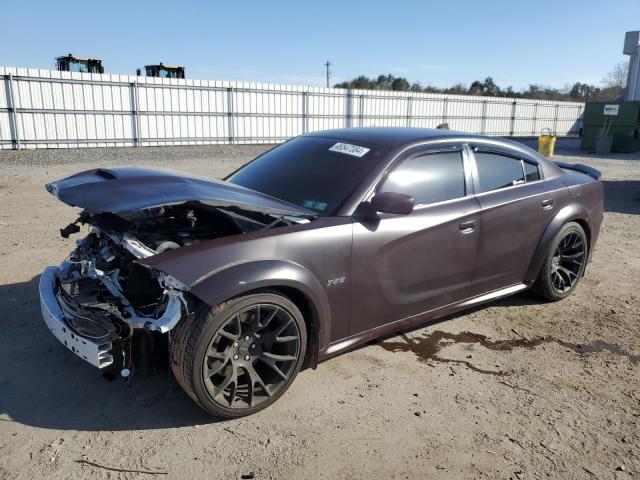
column 105, row 294
column 107, row 297
column 115, row 306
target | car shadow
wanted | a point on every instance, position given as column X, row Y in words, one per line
column 622, row 196
column 43, row 384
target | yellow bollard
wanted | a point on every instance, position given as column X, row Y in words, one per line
column 546, row 143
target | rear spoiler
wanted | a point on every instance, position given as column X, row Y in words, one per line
column 578, row 167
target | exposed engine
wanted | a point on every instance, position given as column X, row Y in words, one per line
column 106, row 294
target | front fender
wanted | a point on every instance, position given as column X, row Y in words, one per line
column 243, row 277
column 569, row 213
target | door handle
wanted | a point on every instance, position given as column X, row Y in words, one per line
column 547, row 204
column 468, row 227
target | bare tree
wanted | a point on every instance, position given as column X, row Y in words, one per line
column 617, row 78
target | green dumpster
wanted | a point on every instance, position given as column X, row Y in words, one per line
column 621, row 120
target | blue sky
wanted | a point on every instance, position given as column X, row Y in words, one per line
column 439, row 43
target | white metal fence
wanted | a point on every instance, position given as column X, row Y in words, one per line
column 50, row 109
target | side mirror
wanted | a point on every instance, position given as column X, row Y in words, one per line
column 392, row 202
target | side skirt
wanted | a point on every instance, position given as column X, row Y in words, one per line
column 353, row 341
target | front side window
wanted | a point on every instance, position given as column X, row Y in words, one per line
column 428, row 178
column 498, row 171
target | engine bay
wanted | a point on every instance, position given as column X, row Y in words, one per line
column 106, row 293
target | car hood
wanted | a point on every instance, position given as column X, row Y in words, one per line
column 126, row 189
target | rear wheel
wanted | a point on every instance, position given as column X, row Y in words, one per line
column 241, row 356
column 564, row 264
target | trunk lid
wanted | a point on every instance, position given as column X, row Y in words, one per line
column 125, row 189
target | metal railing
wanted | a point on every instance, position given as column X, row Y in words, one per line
column 53, row 109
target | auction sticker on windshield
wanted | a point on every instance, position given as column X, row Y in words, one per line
column 355, row 150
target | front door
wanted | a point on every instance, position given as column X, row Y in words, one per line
column 404, row 265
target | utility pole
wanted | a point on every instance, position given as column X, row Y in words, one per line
column 328, row 64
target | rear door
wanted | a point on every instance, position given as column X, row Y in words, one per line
column 515, row 209
column 404, row 265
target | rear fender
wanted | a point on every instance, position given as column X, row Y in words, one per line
column 247, row 276
column 566, row 214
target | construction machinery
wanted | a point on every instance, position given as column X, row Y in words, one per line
column 69, row 63
column 162, row 71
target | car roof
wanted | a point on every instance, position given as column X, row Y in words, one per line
column 398, row 138
column 391, row 136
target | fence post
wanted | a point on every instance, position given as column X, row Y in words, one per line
column 483, row 120
column 361, row 112
column 512, row 129
column 535, row 118
column 230, row 116
column 555, row 119
column 409, row 112
column 305, row 112
column 11, row 107
column 349, row 109
column 445, row 108
column 135, row 107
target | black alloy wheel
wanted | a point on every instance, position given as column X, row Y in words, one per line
column 564, row 264
column 241, row 356
column 568, row 262
column 252, row 356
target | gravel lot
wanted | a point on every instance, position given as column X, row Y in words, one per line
column 468, row 397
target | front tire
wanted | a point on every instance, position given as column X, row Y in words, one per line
column 564, row 264
column 241, row 356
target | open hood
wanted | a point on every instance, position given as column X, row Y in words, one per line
column 126, row 189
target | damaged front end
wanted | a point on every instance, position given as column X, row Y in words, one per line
column 103, row 295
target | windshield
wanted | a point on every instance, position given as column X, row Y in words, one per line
column 75, row 66
column 312, row 172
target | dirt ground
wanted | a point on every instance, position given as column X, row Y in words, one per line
column 467, row 397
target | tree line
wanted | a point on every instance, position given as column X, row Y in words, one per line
column 612, row 86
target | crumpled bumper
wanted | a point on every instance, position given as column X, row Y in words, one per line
column 96, row 353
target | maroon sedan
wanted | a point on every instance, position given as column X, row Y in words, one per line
column 318, row 245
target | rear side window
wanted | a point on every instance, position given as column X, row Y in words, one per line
column 498, row 171
column 531, row 171
column 429, row 178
